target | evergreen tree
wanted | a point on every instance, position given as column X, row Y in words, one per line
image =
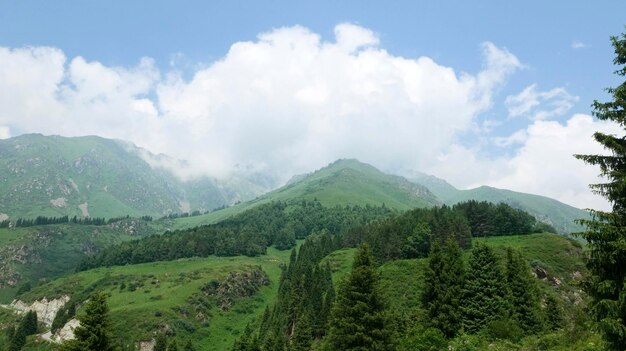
column 554, row 313
column 302, row 335
column 443, row 288
column 606, row 231
column 358, row 321
column 30, row 323
column 484, row 291
column 93, row 332
column 523, row 293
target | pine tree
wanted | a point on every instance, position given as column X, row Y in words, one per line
column 523, row 293
column 358, row 321
column 606, row 231
column 93, row 332
column 484, row 291
column 30, row 323
column 443, row 288
column 554, row 313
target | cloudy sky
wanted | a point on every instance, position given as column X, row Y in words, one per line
column 481, row 94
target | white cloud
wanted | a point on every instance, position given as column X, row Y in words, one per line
column 577, row 44
column 290, row 102
column 539, row 105
column 544, row 164
column 519, row 137
column 5, row 132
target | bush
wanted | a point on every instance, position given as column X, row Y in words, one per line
column 421, row 339
column 503, row 329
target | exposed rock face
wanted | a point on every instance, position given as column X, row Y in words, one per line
column 60, row 202
column 67, row 332
column 84, row 208
column 46, row 310
column 147, row 345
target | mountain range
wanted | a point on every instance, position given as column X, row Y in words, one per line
column 98, row 177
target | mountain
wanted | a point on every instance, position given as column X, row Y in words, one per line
column 343, row 182
column 97, row 177
column 561, row 216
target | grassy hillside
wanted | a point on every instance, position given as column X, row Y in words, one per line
column 39, row 253
column 53, row 176
column 344, row 182
column 561, row 216
column 146, row 298
column 149, row 297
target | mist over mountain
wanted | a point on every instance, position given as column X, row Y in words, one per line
column 97, row 177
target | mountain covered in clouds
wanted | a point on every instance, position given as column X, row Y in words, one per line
column 97, row 177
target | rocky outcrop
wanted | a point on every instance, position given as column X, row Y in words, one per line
column 67, row 332
column 46, row 310
column 147, row 345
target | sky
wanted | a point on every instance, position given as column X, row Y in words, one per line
column 478, row 93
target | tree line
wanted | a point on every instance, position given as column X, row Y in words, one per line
column 411, row 234
column 43, row 220
column 277, row 224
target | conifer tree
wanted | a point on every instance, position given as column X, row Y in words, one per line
column 606, row 231
column 484, row 291
column 93, row 332
column 357, row 320
column 554, row 313
column 523, row 293
column 443, row 288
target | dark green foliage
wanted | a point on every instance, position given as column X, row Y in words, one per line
column 419, row 338
column 443, row 288
column 23, row 288
column 523, row 293
column 410, row 234
column 418, row 242
column 484, row 293
column 358, row 315
column 27, row 326
column 189, row 347
column 488, row 219
column 93, row 332
column 554, row 312
column 29, row 323
column 172, row 346
column 302, row 309
column 606, row 231
column 43, row 220
column 161, row 343
column 248, row 233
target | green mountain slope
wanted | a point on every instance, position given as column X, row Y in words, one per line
column 34, row 254
column 561, row 216
column 97, row 177
column 343, row 182
column 146, row 298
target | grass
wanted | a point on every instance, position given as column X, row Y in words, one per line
column 161, row 290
